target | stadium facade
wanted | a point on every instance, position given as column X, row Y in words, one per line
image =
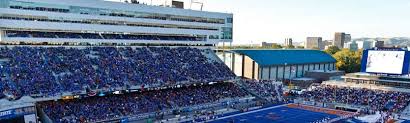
column 276, row 64
column 98, row 21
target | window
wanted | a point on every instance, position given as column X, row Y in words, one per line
column 103, row 22
column 213, row 36
column 226, row 33
column 229, row 20
column 108, row 12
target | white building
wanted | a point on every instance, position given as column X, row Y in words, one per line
column 353, row 46
column 98, row 21
column 364, row 45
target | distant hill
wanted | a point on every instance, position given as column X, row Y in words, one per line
column 395, row 41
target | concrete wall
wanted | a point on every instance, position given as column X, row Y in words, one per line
column 323, row 75
column 248, row 67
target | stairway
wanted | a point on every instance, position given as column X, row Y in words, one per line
column 279, row 96
column 406, row 111
column 211, row 55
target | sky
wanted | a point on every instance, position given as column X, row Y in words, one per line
column 274, row 20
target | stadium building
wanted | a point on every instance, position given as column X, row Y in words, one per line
column 85, row 50
column 98, row 61
column 98, row 21
column 277, row 64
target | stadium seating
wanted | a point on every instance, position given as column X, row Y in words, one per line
column 266, row 89
column 69, row 35
column 93, row 109
column 376, row 100
column 50, row 71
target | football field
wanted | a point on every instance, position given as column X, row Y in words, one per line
column 276, row 114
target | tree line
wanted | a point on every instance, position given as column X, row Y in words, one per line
column 347, row 60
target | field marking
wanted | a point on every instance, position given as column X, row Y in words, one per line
column 258, row 110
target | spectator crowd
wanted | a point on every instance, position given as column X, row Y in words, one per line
column 372, row 100
column 110, row 107
column 50, row 71
column 267, row 89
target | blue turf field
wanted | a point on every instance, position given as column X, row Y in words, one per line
column 281, row 114
column 407, row 121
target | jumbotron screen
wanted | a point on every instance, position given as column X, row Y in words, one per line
column 387, row 62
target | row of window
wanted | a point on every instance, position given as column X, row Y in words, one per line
column 375, row 82
column 227, row 33
column 41, row 9
column 72, row 35
column 213, row 36
column 122, row 23
column 118, row 13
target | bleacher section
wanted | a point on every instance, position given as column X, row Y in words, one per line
column 51, row 71
column 266, row 89
column 94, row 109
column 371, row 101
column 72, row 35
column 406, row 111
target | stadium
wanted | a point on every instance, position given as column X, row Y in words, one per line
column 77, row 61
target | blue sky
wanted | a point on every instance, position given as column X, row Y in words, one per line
column 275, row 20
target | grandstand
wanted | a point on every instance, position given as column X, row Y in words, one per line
column 138, row 104
column 371, row 100
column 52, row 71
column 99, row 61
column 265, row 89
column 102, row 22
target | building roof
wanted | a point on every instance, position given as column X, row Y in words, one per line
column 267, row 57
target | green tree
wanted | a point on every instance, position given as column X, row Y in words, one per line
column 332, row 50
column 300, row 47
column 290, row 47
column 348, row 61
column 276, row 46
column 316, row 48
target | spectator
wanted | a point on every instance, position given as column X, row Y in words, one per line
column 376, row 100
column 94, row 109
column 267, row 89
column 50, row 71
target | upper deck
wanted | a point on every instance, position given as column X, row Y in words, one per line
column 104, row 17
